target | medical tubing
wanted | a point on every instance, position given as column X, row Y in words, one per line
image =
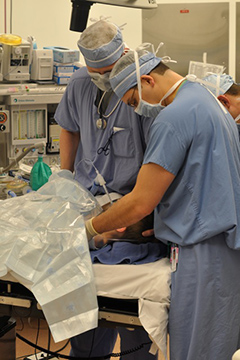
column 122, row 353
column 106, row 191
column 99, row 177
column 16, row 161
column 102, row 183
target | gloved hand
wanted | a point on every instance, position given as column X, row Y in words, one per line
column 90, row 231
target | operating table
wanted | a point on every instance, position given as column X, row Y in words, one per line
column 45, row 256
column 128, row 295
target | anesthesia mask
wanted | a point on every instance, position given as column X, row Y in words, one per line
column 101, row 80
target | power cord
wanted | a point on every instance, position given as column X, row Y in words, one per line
column 126, row 352
column 63, row 347
column 37, row 336
column 49, row 341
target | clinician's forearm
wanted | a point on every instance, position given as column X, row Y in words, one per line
column 152, row 183
column 124, row 212
column 68, row 148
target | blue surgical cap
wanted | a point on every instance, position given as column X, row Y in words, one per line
column 123, row 75
column 222, row 83
column 101, row 44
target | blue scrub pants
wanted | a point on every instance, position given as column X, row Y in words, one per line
column 204, row 318
column 101, row 341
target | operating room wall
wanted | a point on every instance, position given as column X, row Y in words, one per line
column 48, row 21
column 233, row 63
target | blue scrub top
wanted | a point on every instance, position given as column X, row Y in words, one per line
column 77, row 113
column 200, row 146
column 238, row 126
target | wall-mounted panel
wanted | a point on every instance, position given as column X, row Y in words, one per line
column 238, row 42
column 188, row 31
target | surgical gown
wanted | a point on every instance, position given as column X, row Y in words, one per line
column 200, row 212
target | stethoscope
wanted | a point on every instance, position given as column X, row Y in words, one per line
column 101, row 123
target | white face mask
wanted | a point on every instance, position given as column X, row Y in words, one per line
column 152, row 110
column 101, row 80
column 237, row 118
column 144, row 108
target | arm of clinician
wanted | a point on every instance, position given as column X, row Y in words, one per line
column 152, row 182
column 68, row 148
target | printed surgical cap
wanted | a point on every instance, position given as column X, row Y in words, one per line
column 222, row 83
column 101, row 44
column 123, row 75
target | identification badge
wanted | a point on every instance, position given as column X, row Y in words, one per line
column 174, row 257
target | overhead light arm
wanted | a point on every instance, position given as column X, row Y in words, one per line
column 80, row 9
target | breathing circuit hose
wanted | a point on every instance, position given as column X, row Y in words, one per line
column 16, row 161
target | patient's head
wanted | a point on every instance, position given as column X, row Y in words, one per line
column 132, row 232
column 135, row 231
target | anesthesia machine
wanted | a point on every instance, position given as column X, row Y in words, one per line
column 26, row 118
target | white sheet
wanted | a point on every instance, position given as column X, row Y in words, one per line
column 25, row 244
column 149, row 283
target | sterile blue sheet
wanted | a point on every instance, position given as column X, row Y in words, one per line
column 129, row 253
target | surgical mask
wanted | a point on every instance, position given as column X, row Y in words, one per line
column 144, row 108
column 152, row 110
column 101, row 80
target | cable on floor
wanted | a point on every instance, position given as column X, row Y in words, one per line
column 126, row 352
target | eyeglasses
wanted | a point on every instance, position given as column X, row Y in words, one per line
column 132, row 102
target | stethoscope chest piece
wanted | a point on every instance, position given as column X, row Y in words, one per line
column 101, row 124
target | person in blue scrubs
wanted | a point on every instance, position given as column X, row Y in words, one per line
column 98, row 130
column 101, row 133
column 191, row 178
column 227, row 92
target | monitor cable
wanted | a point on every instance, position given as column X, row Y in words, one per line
column 56, row 354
